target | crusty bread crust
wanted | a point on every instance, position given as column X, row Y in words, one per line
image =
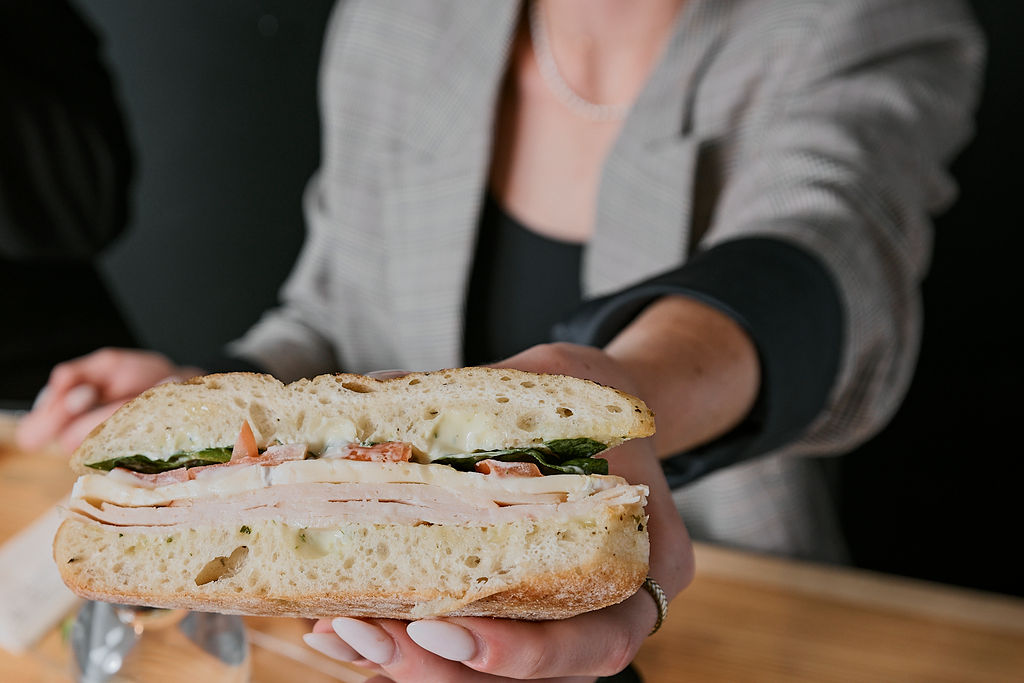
column 522, row 570
column 517, row 409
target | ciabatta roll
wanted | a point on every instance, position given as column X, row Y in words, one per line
column 460, row 492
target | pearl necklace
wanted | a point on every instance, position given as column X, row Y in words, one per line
column 553, row 78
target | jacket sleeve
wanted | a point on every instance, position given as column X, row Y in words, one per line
column 65, row 163
column 847, row 163
column 822, row 234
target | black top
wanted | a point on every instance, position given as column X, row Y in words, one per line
column 521, row 285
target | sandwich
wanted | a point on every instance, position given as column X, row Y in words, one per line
column 469, row 492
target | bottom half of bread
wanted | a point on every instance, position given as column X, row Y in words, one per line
column 536, row 569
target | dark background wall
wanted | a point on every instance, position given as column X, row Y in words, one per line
column 221, row 100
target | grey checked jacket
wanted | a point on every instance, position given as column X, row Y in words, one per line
column 826, row 123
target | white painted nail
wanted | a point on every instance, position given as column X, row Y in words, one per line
column 372, row 642
column 80, row 398
column 41, row 397
column 331, row 645
column 387, row 374
column 444, row 639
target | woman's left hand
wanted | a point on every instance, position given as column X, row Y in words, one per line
column 581, row 648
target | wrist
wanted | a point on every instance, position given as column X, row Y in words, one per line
column 695, row 366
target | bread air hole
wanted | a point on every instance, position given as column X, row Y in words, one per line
column 222, row 567
column 564, row 412
column 526, row 422
column 358, row 387
column 365, row 429
column 613, row 409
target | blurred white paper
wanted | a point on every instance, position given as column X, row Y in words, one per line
column 33, row 599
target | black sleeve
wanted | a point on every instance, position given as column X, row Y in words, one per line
column 65, row 162
column 789, row 304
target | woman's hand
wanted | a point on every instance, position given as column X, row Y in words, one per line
column 593, row 644
column 83, row 392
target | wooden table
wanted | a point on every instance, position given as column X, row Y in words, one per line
column 745, row 618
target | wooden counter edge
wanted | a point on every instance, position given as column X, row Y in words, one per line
column 914, row 597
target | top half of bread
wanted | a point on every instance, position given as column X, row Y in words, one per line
column 461, row 410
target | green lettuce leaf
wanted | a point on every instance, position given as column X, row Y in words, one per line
column 575, row 448
column 561, row 456
column 145, row 465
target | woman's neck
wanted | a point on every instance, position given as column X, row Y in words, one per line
column 605, row 49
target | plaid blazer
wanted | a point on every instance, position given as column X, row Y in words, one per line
column 827, row 123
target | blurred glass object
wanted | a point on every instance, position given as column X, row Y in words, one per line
column 122, row 643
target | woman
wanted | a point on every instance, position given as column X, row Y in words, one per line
column 739, row 192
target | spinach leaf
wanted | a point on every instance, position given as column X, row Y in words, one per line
column 575, row 448
column 561, row 456
column 145, row 465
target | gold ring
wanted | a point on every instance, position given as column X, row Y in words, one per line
column 660, row 599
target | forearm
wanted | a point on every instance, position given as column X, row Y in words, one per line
column 694, row 366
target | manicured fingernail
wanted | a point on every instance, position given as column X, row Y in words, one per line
column 331, row 645
column 41, row 397
column 80, row 398
column 372, row 642
column 444, row 639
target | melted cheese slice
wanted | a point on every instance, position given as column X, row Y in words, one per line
column 458, row 432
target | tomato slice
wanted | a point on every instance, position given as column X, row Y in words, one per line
column 500, row 468
column 245, row 444
column 388, row 451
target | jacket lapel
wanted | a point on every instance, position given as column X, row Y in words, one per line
column 644, row 205
column 433, row 200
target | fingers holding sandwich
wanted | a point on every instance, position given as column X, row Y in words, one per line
column 597, row 643
column 466, row 650
column 83, row 392
column 562, row 358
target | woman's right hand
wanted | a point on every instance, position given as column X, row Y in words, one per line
column 83, row 392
